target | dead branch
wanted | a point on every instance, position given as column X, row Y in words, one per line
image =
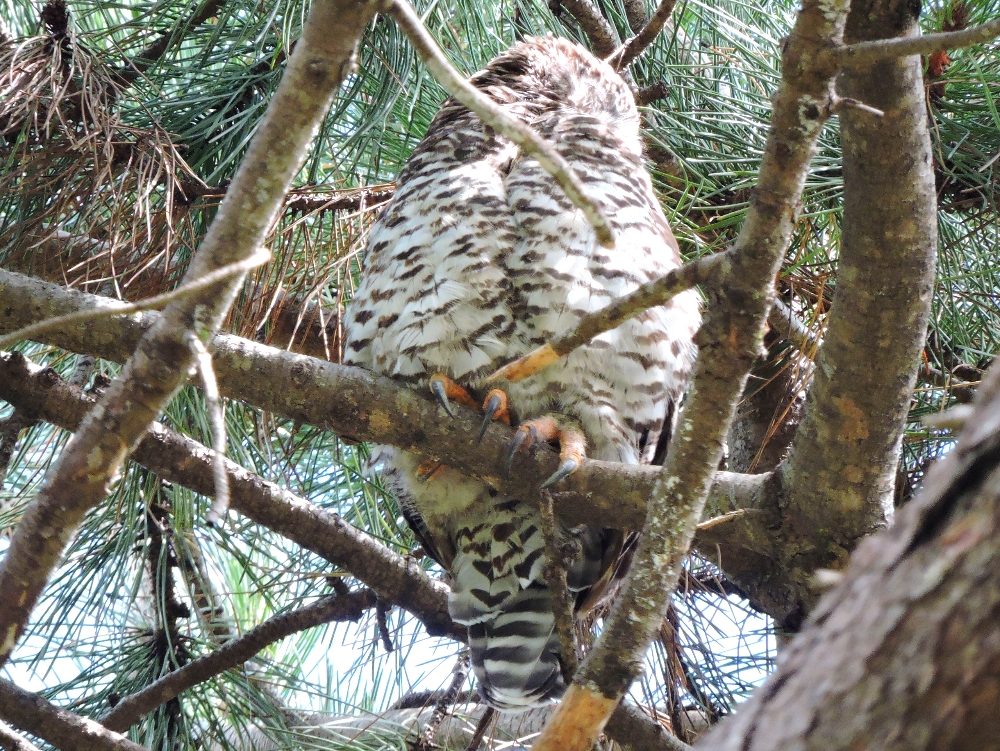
column 334, row 608
column 865, row 53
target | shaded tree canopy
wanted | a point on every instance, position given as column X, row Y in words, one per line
column 802, row 160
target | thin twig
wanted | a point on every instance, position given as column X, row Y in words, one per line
column 847, row 103
column 114, row 308
column 132, row 708
column 489, row 716
column 783, row 320
column 458, row 677
column 864, row 53
column 495, row 117
column 635, row 46
column 11, row 741
column 203, row 360
column 649, row 295
column 382, row 609
column 557, row 556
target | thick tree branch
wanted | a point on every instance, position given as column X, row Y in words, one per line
column 633, row 730
column 635, row 46
column 729, row 342
column 494, row 116
column 904, row 653
column 160, row 365
column 131, row 709
column 358, row 405
column 865, row 53
column 183, row 461
column 839, row 477
column 186, row 462
column 64, row 730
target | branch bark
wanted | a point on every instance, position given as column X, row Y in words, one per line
column 79, row 480
column 603, row 39
column 131, row 709
column 864, row 53
column 11, row 741
column 904, row 653
column 186, row 462
column 729, row 342
column 645, row 37
column 359, row 406
column 839, row 477
column 62, row 729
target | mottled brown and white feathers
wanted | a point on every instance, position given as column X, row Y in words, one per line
column 480, row 258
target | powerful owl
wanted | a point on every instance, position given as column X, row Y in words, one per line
column 479, row 259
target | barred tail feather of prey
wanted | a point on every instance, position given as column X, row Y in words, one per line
column 515, row 655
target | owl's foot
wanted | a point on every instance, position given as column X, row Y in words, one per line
column 495, row 408
column 572, row 444
column 444, row 389
column 427, row 469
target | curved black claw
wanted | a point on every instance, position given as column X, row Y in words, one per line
column 568, row 467
column 438, row 387
column 492, row 407
column 515, row 445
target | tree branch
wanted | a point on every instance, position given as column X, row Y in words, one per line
column 649, row 295
column 635, row 46
column 634, row 730
column 79, row 480
column 333, row 608
column 494, row 116
column 603, row 39
column 865, row 53
column 729, row 342
column 788, row 325
column 357, row 405
column 62, row 729
column 840, row 474
column 11, row 741
column 920, row 600
column 157, row 49
column 186, row 462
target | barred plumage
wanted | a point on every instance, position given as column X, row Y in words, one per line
column 478, row 259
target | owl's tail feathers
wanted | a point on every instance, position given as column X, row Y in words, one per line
column 515, row 655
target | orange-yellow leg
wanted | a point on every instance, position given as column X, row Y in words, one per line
column 444, row 389
column 572, row 444
column 428, row 469
column 495, row 408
